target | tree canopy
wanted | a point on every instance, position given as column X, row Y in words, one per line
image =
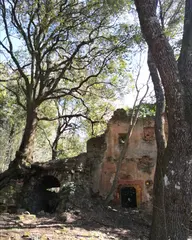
column 55, row 50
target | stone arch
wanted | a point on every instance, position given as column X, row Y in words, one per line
column 49, row 181
column 62, row 177
column 42, row 194
column 47, row 190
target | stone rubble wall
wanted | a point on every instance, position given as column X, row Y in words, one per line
column 96, row 168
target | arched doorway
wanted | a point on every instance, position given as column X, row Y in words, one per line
column 128, row 197
column 47, row 191
column 41, row 194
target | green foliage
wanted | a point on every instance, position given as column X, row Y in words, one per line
column 77, row 53
column 147, row 109
column 90, row 121
column 171, row 15
column 72, row 144
column 117, row 6
column 12, row 120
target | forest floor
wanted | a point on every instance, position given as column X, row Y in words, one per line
column 100, row 222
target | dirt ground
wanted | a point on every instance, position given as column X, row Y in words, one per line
column 103, row 223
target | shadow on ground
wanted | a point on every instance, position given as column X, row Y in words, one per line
column 96, row 223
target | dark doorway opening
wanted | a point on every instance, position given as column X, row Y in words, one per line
column 46, row 192
column 128, row 197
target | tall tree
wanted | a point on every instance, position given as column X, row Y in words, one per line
column 174, row 221
column 60, row 49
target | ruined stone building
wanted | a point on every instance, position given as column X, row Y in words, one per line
column 135, row 182
column 94, row 169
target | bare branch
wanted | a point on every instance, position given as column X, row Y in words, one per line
column 67, row 116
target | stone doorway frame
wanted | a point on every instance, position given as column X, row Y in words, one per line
column 137, row 184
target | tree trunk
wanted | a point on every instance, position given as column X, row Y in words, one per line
column 158, row 188
column 55, row 147
column 25, row 153
column 24, row 156
column 177, row 159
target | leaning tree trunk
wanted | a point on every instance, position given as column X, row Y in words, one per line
column 24, row 155
column 158, row 188
column 132, row 123
column 177, row 159
column 120, row 161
